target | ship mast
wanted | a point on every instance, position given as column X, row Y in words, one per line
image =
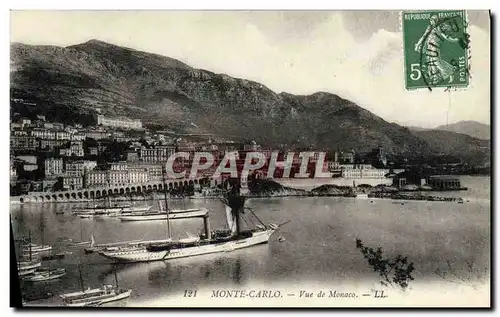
column 166, row 203
column 237, row 203
column 29, row 237
column 42, row 228
column 81, row 278
column 116, row 280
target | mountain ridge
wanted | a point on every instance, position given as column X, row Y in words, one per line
column 470, row 127
column 72, row 83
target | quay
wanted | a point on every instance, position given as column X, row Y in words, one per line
column 88, row 194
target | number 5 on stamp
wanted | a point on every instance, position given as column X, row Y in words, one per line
column 436, row 47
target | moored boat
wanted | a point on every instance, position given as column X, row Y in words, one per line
column 45, row 275
column 35, row 248
column 24, row 272
column 174, row 214
column 94, row 297
column 91, row 297
column 57, row 256
column 109, row 209
column 362, row 196
column 26, row 265
column 133, row 244
column 214, row 241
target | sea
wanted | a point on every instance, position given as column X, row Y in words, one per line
column 316, row 247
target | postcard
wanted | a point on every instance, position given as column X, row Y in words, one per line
column 250, row 159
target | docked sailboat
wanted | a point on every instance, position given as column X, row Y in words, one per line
column 45, row 275
column 211, row 241
column 36, row 248
column 92, row 297
column 120, row 245
column 56, row 256
column 82, row 242
column 109, row 210
column 24, row 272
column 26, row 267
column 161, row 215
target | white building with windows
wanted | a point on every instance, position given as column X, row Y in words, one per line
column 63, row 135
column 118, row 178
column 138, row 176
column 119, row 122
column 78, row 168
column 43, row 134
column 362, row 171
column 157, row 154
column 54, row 167
column 97, row 178
column 72, row 182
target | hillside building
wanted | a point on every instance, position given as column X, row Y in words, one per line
column 119, row 122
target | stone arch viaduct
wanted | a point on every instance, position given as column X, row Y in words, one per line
column 85, row 194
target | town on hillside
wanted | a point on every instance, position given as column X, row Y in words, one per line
column 50, row 158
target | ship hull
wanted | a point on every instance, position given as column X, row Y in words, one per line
column 44, row 278
column 29, row 265
column 143, row 255
column 111, row 210
column 101, row 300
column 97, row 210
column 164, row 216
column 37, row 249
column 24, row 272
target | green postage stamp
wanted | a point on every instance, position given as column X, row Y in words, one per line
column 436, row 49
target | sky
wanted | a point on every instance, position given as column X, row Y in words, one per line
column 357, row 55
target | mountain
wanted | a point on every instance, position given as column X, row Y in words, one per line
column 471, row 150
column 70, row 84
column 473, row 128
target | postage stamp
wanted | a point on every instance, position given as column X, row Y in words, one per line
column 436, row 49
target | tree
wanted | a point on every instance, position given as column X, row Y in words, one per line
column 393, row 272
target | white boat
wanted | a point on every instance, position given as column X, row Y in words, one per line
column 136, row 209
column 45, row 275
column 95, row 297
column 36, row 248
column 82, row 243
column 105, row 294
column 93, row 247
column 174, row 251
column 26, row 265
column 177, row 214
column 110, row 209
column 24, row 272
column 362, row 196
column 221, row 240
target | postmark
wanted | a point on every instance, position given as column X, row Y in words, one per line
column 436, row 49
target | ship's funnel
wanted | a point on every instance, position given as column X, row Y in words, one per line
column 235, row 204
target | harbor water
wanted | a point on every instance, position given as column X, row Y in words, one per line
column 317, row 245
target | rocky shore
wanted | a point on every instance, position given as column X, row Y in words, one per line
column 268, row 188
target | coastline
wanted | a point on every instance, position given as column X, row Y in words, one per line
column 400, row 195
column 265, row 188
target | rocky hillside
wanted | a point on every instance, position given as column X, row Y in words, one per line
column 471, row 150
column 71, row 83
